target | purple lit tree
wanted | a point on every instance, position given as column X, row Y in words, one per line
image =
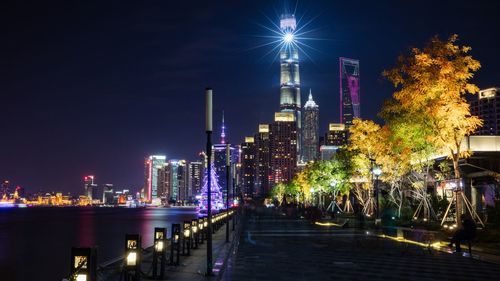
column 216, row 195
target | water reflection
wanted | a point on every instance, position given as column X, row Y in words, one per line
column 29, row 236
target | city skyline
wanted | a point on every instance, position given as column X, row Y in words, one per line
column 41, row 131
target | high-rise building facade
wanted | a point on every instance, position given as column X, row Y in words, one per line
column 283, row 146
column 248, row 166
column 196, row 173
column 290, row 99
column 108, row 195
column 89, row 186
column 487, row 107
column 311, row 130
column 176, row 184
column 349, row 90
column 263, row 164
column 336, row 135
column 151, row 166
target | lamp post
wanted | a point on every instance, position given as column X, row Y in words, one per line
column 159, row 251
column 83, row 264
column 228, row 170
column 234, row 191
column 377, row 172
column 208, row 129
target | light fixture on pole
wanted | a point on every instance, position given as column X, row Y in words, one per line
column 228, row 171
column 377, row 172
column 208, row 129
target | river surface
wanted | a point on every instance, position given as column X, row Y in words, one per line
column 35, row 243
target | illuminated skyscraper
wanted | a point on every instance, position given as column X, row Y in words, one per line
column 248, row 166
column 175, row 188
column 89, row 186
column 195, row 178
column 336, row 135
column 349, row 91
column 283, row 146
column 311, row 130
column 151, row 166
column 290, row 78
column 487, row 107
column 263, row 166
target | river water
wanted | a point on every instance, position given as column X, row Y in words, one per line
column 35, row 243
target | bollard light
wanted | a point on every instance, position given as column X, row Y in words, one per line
column 200, row 228
column 194, row 229
column 175, row 239
column 83, row 264
column 132, row 249
column 132, row 256
column 186, row 242
column 159, row 239
column 194, row 226
column 187, row 229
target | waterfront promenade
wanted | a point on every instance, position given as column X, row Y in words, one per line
column 274, row 247
column 267, row 245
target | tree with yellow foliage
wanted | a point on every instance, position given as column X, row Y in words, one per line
column 431, row 86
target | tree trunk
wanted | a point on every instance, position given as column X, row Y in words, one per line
column 458, row 193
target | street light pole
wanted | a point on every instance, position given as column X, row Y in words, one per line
column 377, row 172
column 377, row 196
column 228, row 170
column 234, row 191
column 208, row 120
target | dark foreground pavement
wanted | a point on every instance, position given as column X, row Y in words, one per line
column 273, row 247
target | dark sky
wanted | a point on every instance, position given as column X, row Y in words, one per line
column 92, row 87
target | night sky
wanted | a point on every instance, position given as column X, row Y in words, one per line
column 92, row 87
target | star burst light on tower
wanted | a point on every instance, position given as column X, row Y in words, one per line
column 291, row 33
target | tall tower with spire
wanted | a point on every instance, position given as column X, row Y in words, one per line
column 219, row 156
column 311, row 130
column 223, row 131
column 290, row 100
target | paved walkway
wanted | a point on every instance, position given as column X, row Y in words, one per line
column 192, row 267
column 277, row 248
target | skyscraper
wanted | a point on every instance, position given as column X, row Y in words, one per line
column 151, row 166
column 175, row 188
column 349, row 90
column 336, row 135
column 248, row 166
column 195, row 178
column 219, row 157
column 88, row 182
column 311, row 130
column 283, row 146
column 290, row 78
column 263, row 165
column 487, row 107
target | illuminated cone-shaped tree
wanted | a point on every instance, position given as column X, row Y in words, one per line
column 217, row 200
